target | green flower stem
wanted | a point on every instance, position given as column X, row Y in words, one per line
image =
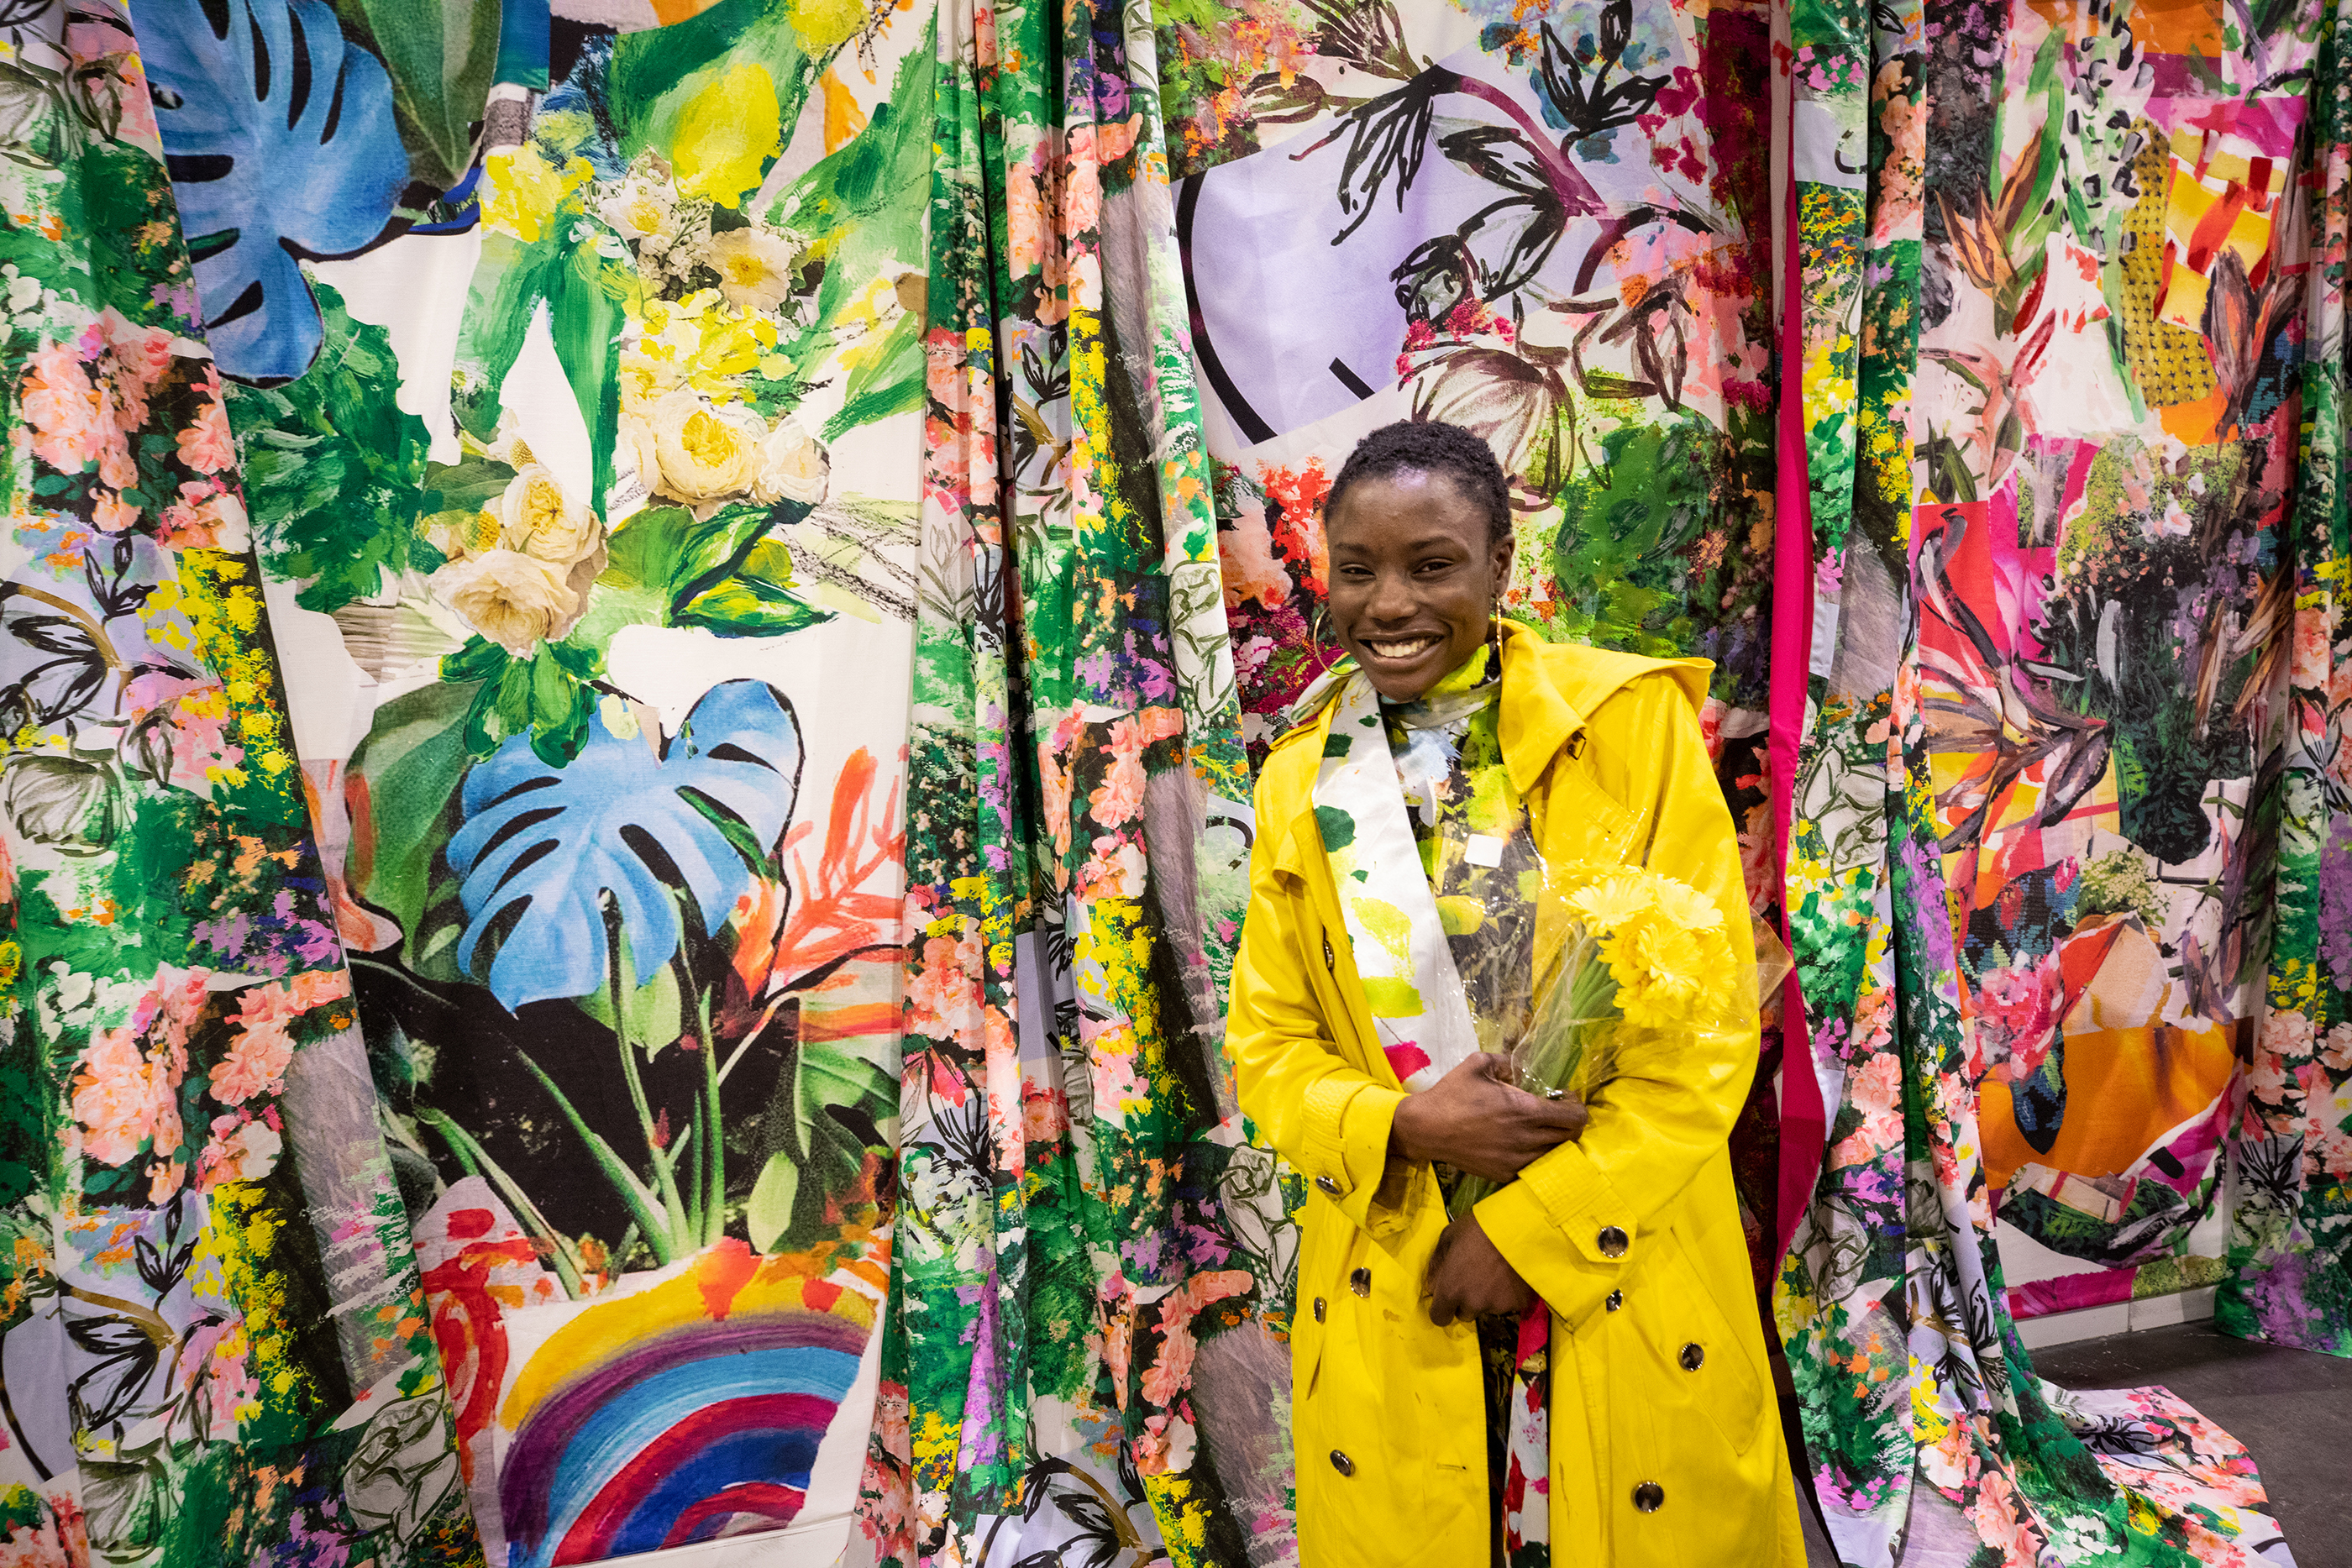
column 633, row 1194
column 678, row 1145
column 1553, row 1056
column 478, row 1162
column 676, row 1235
column 1555, row 1048
column 699, row 1137
column 714, row 1144
column 699, row 1197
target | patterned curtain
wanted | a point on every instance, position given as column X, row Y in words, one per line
column 2051, row 267
column 215, row 1347
column 584, row 480
column 1079, row 1333
column 1553, row 226
column 2289, row 1258
column 635, row 637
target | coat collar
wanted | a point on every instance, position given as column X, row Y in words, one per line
column 1548, row 689
column 1538, row 718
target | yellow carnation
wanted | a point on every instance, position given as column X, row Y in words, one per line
column 1613, row 901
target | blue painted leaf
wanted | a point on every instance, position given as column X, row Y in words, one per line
column 542, row 847
column 281, row 141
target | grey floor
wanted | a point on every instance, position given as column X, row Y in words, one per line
column 2292, row 1408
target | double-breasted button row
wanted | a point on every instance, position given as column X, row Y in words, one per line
column 1611, row 1242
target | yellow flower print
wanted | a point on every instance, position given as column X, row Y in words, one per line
column 754, row 266
column 826, row 25
column 526, row 190
column 1828, row 387
column 726, row 135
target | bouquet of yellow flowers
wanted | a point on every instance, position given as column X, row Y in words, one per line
column 1642, row 954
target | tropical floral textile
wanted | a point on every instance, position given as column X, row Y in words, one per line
column 598, row 651
column 635, row 634
column 1080, row 1326
column 216, row 1344
column 2051, row 268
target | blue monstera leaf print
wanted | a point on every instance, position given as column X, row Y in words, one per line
column 541, row 849
column 281, row 141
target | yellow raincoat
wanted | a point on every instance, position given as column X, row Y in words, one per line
column 1667, row 1445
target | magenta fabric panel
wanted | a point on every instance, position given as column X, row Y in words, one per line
column 1804, row 1125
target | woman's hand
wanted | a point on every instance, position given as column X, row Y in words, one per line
column 1468, row 1279
column 1475, row 1119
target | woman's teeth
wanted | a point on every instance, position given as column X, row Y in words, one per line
column 1400, row 648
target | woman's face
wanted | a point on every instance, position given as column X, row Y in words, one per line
column 1414, row 579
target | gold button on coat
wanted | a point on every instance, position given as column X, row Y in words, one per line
column 1318, row 1309
column 1342, row 1463
column 1649, row 1497
column 1613, row 1241
column 1360, row 1282
column 1694, row 1356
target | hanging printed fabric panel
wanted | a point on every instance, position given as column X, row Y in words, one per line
column 213, row 1338
column 1552, row 225
column 2051, row 266
column 1549, row 223
column 2290, row 1252
column 1092, row 1269
column 584, row 479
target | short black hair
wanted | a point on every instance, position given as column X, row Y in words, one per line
column 1431, row 446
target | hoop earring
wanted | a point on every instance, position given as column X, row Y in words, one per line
column 1316, row 625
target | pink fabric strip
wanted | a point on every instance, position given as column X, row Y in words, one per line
column 1803, row 1126
column 2071, row 1292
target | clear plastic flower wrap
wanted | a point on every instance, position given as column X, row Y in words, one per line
column 1567, row 968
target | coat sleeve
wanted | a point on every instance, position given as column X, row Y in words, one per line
column 1331, row 1120
column 1672, row 1105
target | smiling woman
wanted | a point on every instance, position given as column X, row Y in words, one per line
column 1418, row 530
column 1449, row 764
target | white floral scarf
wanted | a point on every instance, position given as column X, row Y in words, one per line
column 1379, row 769
column 1393, row 927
